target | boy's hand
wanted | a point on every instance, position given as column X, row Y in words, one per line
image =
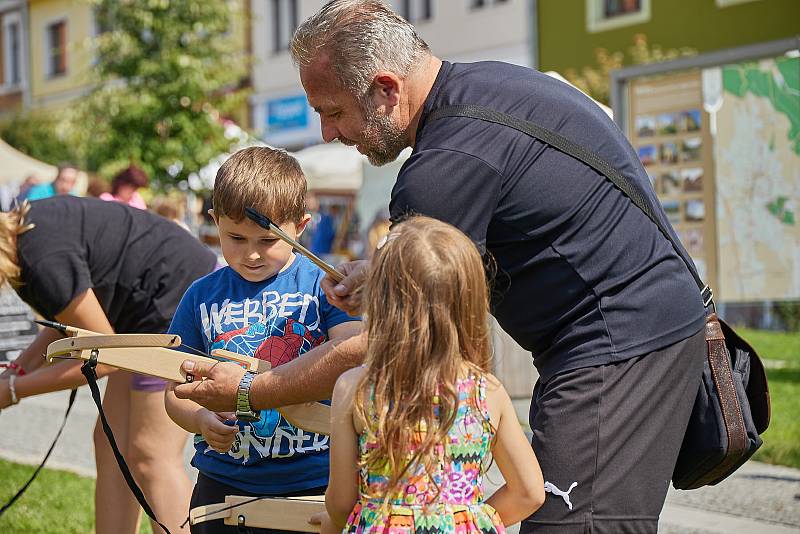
column 218, row 391
column 219, row 435
column 346, row 295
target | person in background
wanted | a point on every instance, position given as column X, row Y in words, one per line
column 125, row 185
column 321, row 227
column 170, row 209
column 377, row 230
column 25, row 187
column 63, row 184
column 97, row 186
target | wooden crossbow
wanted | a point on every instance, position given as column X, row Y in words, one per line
column 152, row 354
column 281, row 513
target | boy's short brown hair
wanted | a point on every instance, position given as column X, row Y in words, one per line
column 267, row 179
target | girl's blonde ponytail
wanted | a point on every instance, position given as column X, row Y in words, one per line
column 12, row 224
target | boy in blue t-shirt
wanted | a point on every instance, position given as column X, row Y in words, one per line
column 266, row 303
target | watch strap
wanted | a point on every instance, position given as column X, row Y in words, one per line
column 243, row 410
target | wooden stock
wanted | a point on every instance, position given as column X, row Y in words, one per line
column 147, row 354
column 113, row 341
column 280, row 513
column 153, row 361
column 311, row 416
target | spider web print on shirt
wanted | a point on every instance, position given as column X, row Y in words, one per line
column 280, row 341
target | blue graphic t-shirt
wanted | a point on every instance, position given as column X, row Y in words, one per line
column 275, row 320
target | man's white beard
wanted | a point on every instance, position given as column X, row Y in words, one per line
column 382, row 138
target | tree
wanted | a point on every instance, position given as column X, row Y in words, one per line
column 169, row 72
column 595, row 80
column 44, row 136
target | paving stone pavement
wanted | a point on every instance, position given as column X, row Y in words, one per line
column 757, row 499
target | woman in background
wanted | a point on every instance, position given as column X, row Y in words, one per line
column 106, row 267
column 125, row 185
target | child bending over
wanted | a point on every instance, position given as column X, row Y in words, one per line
column 413, row 427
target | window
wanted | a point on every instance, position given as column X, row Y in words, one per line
column 57, row 48
column 417, row 10
column 284, row 23
column 602, row 15
column 12, row 51
column 726, row 3
column 477, row 4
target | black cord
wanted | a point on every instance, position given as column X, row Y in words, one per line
column 88, row 370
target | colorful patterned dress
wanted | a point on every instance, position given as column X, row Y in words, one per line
column 416, row 507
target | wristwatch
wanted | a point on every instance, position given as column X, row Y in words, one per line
column 243, row 411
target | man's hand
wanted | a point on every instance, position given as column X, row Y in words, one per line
column 218, row 391
column 215, row 431
column 346, row 295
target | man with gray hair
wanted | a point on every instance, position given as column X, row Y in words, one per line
column 586, row 281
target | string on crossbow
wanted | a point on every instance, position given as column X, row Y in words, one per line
column 225, row 509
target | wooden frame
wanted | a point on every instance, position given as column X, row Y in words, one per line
column 281, row 513
column 150, row 354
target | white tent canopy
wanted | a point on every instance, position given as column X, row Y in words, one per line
column 16, row 166
column 332, row 166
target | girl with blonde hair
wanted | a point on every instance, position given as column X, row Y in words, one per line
column 414, row 426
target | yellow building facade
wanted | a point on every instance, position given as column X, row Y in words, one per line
column 59, row 36
column 61, row 51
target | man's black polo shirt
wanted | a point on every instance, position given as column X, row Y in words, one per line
column 585, row 278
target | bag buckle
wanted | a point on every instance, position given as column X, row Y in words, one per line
column 707, row 295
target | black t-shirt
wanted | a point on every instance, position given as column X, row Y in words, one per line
column 137, row 263
column 585, row 278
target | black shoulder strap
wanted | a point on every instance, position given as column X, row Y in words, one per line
column 88, row 370
column 576, row 151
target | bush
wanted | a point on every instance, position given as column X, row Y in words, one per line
column 789, row 314
column 595, row 80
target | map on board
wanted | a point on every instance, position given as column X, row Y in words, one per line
column 758, row 180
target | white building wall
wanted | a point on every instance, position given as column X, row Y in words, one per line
column 456, row 32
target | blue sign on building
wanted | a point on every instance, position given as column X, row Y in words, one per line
column 288, row 113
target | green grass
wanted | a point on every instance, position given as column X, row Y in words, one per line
column 781, row 355
column 56, row 502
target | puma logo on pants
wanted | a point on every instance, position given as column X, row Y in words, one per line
column 551, row 488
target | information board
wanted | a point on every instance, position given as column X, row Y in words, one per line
column 670, row 130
